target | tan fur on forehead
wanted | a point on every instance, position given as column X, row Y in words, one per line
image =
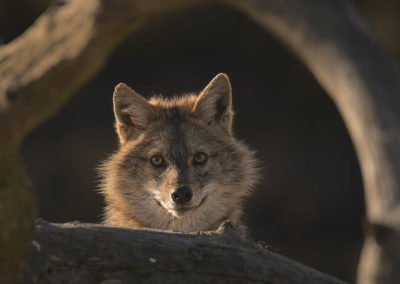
column 186, row 102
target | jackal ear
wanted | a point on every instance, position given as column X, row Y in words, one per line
column 214, row 104
column 132, row 113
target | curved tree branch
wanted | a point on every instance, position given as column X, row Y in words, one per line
column 337, row 46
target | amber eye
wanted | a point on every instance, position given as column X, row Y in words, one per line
column 200, row 158
column 157, row 161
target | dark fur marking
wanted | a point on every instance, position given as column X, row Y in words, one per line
column 178, row 150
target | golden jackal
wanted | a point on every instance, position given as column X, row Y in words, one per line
column 178, row 166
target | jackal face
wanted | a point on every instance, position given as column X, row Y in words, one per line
column 178, row 166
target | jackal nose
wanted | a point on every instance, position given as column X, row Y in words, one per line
column 182, row 194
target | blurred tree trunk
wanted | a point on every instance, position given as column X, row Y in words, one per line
column 66, row 46
column 17, row 213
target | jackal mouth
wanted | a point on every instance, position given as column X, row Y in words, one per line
column 186, row 209
column 182, row 209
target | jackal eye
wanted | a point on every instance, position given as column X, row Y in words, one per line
column 157, row 161
column 200, row 158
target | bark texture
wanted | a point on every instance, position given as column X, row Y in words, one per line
column 85, row 253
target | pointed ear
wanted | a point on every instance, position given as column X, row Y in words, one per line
column 132, row 113
column 214, row 104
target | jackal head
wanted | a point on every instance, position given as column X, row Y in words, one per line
column 178, row 166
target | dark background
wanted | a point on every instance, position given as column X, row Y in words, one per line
column 310, row 203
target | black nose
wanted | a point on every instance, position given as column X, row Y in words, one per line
column 182, row 194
